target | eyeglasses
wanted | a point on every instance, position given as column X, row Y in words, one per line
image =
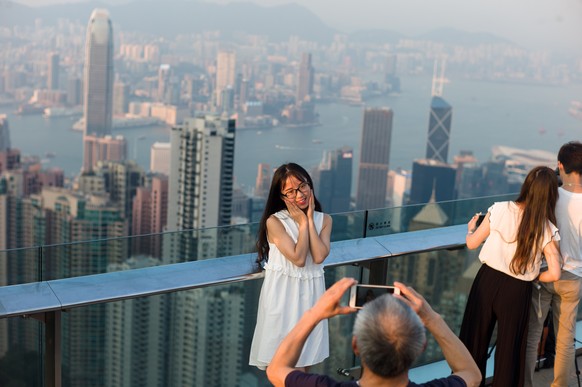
column 292, row 193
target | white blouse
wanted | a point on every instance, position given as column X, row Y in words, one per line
column 500, row 246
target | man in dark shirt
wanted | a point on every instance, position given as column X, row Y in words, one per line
column 388, row 336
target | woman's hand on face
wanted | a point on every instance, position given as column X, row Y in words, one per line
column 295, row 212
column 311, row 206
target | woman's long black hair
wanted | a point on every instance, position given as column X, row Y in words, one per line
column 275, row 202
column 538, row 195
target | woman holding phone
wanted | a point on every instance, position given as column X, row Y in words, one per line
column 293, row 241
column 516, row 233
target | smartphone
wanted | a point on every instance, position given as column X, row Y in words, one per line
column 360, row 294
column 480, row 218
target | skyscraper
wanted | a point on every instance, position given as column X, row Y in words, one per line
column 53, row 71
column 439, row 130
column 374, row 158
column 107, row 148
column 74, row 87
column 98, row 90
column 160, row 157
column 225, row 73
column 243, row 93
column 432, row 178
column 304, row 79
column 150, row 209
column 334, row 180
column 263, row 181
column 201, row 173
column 120, row 98
column 4, row 133
column 200, row 187
column 164, row 76
column 121, row 182
column 9, row 158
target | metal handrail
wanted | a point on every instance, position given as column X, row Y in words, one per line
column 63, row 294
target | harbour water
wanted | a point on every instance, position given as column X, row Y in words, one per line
column 484, row 115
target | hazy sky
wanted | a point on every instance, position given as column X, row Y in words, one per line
column 546, row 23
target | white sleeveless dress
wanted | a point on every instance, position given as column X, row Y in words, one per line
column 289, row 291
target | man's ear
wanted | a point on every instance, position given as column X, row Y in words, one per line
column 355, row 346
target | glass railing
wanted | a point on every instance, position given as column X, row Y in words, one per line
column 72, row 259
column 202, row 337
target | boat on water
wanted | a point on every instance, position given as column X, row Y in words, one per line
column 576, row 109
column 28, row 109
column 53, row 112
column 123, row 123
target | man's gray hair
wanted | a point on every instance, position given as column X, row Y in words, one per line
column 389, row 336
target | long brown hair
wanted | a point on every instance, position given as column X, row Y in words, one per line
column 275, row 203
column 538, row 197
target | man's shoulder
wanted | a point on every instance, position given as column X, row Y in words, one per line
column 298, row 378
column 449, row 381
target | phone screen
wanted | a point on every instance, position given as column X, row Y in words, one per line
column 368, row 293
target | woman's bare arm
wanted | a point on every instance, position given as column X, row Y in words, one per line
column 294, row 252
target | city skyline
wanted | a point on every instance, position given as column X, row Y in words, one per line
column 360, row 79
column 294, row 99
column 346, row 71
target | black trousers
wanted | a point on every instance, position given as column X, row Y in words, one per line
column 496, row 297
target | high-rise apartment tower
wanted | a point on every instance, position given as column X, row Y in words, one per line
column 201, row 173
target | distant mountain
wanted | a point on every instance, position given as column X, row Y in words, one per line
column 454, row 36
column 171, row 17
column 442, row 35
column 376, row 36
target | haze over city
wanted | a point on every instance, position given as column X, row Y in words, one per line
column 130, row 130
column 534, row 24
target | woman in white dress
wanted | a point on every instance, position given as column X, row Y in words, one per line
column 293, row 241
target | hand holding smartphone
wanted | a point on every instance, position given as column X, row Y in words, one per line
column 481, row 217
column 360, row 294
